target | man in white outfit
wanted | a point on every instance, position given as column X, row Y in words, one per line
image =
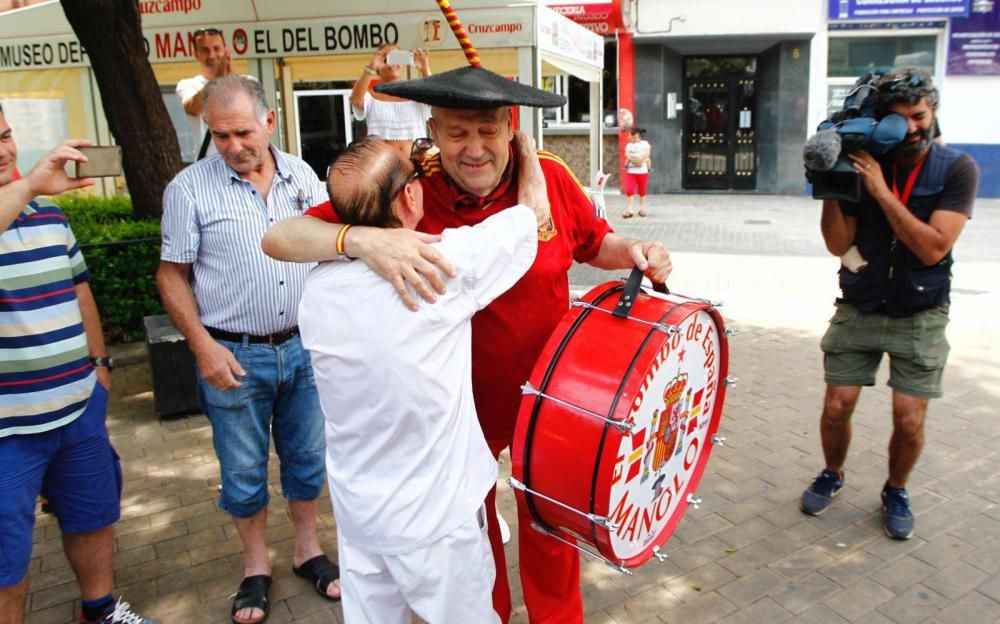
column 407, row 463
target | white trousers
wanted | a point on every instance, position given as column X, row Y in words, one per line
column 447, row 582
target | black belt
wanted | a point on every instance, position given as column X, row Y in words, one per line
column 272, row 339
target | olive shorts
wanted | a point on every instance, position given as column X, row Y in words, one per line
column 855, row 341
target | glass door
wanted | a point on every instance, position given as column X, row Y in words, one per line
column 326, row 126
column 719, row 123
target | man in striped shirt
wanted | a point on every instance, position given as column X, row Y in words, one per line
column 54, row 381
column 238, row 310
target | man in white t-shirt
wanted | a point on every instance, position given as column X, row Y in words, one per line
column 216, row 61
column 407, row 463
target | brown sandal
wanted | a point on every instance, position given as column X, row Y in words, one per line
column 627, row 215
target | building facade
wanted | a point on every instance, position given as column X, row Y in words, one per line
column 728, row 91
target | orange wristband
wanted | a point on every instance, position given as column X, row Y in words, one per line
column 340, row 243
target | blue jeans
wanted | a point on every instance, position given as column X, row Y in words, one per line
column 278, row 396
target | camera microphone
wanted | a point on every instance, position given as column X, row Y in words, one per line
column 821, row 151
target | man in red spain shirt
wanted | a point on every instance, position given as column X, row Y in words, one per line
column 471, row 178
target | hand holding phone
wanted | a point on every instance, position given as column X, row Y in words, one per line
column 102, row 161
column 399, row 57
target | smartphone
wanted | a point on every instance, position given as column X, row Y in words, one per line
column 399, row 57
column 102, row 161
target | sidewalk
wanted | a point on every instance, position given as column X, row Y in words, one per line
column 748, row 554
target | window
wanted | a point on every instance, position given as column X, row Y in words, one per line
column 854, row 56
column 190, row 144
column 577, row 92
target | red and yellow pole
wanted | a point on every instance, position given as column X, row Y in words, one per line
column 456, row 27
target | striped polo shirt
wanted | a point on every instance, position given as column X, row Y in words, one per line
column 214, row 221
column 45, row 372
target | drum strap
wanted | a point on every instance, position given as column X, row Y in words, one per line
column 631, row 291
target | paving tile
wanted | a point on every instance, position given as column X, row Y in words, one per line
column 801, row 562
column 643, row 607
column 764, row 610
column 819, row 614
column 749, row 589
column 860, row 598
column 956, row 580
column 900, row 575
column 707, row 608
column 943, row 551
column 851, row 568
column 707, row 578
column 917, row 604
column 804, row 593
column 971, row 607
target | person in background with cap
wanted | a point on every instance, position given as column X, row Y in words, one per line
column 473, row 177
column 216, row 61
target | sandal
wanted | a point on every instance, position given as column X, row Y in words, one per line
column 627, row 215
column 642, row 213
column 252, row 594
column 319, row 571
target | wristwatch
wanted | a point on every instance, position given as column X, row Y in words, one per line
column 104, row 361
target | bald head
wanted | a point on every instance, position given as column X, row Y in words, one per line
column 365, row 181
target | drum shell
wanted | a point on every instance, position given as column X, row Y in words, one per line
column 599, row 363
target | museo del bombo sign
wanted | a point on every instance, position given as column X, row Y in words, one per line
column 896, row 9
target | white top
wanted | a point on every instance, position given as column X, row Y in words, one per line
column 406, row 459
column 639, row 149
column 214, row 220
column 187, row 89
column 395, row 121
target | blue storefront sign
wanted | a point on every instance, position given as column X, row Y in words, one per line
column 974, row 42
column 896, row 9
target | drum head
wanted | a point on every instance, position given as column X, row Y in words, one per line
column 676, row 402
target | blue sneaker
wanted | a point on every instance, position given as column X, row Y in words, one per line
column 819, row 495
column 897, row 519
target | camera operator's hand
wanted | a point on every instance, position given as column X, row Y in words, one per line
column 870, row 172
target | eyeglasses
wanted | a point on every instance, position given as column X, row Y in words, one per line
column 207, row 31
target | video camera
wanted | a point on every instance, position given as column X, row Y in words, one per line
column 854, row 127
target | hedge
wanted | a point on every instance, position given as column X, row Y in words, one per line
column 122, row 253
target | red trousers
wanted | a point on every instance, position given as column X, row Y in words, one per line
column 550, row 570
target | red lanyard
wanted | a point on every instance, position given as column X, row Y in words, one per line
column 911, row 181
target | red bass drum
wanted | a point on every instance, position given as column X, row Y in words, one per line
column 618, row 420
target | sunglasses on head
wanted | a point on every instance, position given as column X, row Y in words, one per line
column 417, row 150
column 419, row 147
column 912, row 81
column 207, row 31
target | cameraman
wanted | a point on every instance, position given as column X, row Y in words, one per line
column 895, row 245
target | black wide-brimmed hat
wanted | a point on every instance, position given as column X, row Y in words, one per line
column 470, row 87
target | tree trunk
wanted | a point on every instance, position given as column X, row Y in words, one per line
column 111, row 32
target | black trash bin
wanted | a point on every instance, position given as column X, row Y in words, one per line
column 172, row 366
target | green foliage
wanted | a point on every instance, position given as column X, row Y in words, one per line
column 122, row 253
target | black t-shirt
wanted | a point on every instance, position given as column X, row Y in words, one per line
column 959, row 192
